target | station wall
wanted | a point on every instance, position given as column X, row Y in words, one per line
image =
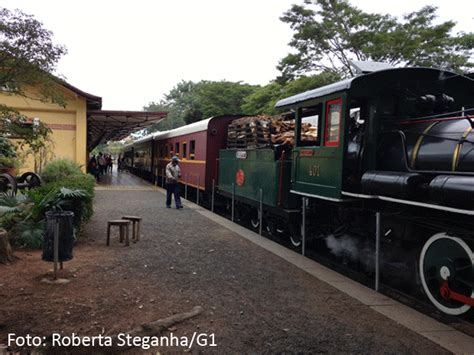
column 68, row 125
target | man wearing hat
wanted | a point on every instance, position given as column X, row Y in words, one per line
column 173, row 173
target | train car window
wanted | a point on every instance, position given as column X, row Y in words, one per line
column 176, row 149
column 185, row 147
column 192, row 148
column 333, row 123
column 309, row 119
column 171, row 151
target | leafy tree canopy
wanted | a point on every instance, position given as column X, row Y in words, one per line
column 330, row 33
column 112, row 148
column 190, row 102
column 263, row 99
column 28, row 57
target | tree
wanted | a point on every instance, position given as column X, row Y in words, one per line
column 263, row 100
column 172, row 120
column 190, row 102
column 28, row 57
column 218, row 98
column 330, row 33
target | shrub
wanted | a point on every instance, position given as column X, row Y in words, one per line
column 8, row 162
column 29, row 234
column 15, row 217
column 81, row 206
column 60, row 169
column 6, row 148
column 23, row 215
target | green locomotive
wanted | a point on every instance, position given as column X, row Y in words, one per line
column 398, row 141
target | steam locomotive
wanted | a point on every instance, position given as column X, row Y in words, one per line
column 397, row 141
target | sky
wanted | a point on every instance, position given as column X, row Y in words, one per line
column 134, row 52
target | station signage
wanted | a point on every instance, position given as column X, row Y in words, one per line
column 241, row 154
column 306, row 153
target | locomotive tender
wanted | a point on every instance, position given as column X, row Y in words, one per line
column 398, row 141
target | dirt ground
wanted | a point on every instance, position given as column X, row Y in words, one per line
column 253, row 301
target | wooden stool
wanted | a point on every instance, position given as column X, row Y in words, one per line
column 123, row 227
column 135, row 227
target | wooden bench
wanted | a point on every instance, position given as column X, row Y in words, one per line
column 135, row 227
column 123, row 229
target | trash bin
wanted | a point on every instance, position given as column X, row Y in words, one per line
column 66, row 235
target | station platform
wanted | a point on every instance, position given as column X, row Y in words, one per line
column 259, row 296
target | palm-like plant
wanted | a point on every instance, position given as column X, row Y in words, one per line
column 57, row 200
column 24, row 219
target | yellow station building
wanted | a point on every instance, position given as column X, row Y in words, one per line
column 81, row 125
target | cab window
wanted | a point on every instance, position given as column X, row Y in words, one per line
column 309, row 120
column 333, row 123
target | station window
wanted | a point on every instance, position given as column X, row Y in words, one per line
column 192, row 148
column 309, row 122
column 333, row 123
column 185, row 147
column 176, row 148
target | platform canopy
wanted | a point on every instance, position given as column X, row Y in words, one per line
column 104, row 126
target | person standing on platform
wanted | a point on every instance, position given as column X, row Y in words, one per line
column 109, row 163
column 102, row 164
column 93, row 168
column 173, row 173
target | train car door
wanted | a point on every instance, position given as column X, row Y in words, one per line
column 318, row 154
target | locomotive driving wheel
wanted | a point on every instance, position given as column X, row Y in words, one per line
column 295, row 239
column 447, row 263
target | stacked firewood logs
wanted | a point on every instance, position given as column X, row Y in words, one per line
column 264, row 130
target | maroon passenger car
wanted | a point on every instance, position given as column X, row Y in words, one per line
column 197, row 146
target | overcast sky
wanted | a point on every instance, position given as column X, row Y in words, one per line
column 133, row 52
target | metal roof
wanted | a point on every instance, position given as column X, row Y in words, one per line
column 190, row 128
column 318, row 92
column 144, row 139
column 363, row 80
column 93, row 102
column 103, row 126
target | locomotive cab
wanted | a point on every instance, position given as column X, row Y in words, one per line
column 410, row 121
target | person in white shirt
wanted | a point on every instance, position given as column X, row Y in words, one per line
column 173, row 173
column 102, row 164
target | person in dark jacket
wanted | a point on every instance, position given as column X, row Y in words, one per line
column 93, row 168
